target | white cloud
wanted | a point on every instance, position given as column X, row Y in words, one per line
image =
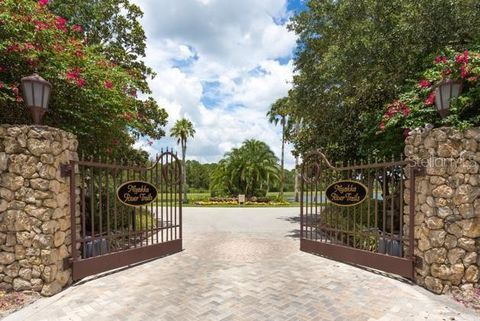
column 218, row 64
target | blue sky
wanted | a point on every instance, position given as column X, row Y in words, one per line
column 296, row 5
column 220, row 63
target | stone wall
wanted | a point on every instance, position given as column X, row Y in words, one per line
column 34, row 208
column 447, row 209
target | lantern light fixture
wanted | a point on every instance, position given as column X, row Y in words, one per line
column 444, row 92
column 36, row 93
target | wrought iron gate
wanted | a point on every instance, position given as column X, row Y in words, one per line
column 106, row 232
column 376, row 232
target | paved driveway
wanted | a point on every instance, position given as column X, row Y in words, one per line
column 243, row 264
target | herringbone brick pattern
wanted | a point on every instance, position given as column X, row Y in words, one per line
column 244, row 275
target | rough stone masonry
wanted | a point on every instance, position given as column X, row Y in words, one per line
column 34, row 208
column 447, row 207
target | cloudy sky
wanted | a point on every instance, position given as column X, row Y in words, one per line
column 220, row 63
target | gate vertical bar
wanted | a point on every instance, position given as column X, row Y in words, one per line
column 392, row 203
column 318, row 218
column 180, row 203
column 73, row 216
column 100, row 211
column 107, row 190
column 302, row 185
column 83, row 208
column 92, row 208
column 157, row 183
column 402, row 174
column 384, row 208
column 151, row 216
column 411, row 208
column 180, row 200
column 162, row 191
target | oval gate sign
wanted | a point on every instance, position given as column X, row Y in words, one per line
column 136, row 193
column 346, row 193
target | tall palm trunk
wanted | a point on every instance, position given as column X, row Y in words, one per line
column 282, row 174
column 184, row 171
column 297, row 180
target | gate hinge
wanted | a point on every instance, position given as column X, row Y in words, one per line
column 67, row 263
column 65, row 170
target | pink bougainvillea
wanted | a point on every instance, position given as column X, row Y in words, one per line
column 463, row 72
column 430, row 100
column 108, row 84
column 463, row 58
column 397, row 107
column 80, row 82
column 77, row 28
column 440, row 59
column 38, row 39
column 463, row 67
column 424, row 83
column 15, row 47
column 40, row 25
column 73, row 74
column 61, row 24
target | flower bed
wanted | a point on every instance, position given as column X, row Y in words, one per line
column 234, row 202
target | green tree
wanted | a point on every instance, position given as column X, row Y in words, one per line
column 182, row 130
column 113, row 24
column 278, row 113
column 250, row 170
column 198, row 175
column 93, row 97
column 354, row 56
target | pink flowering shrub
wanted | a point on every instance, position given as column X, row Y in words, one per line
column 91, row 94
column 416, row 106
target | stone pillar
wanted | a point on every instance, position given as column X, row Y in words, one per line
column 447, row 207
column 34, row 208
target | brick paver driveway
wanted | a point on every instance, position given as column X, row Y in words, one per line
column 243, row 264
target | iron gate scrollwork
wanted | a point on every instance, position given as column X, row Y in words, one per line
column 376, row 232
column 108, row 233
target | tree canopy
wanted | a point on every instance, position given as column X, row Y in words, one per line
column 354, row 57
column 113, row 24
column 94, row 96
column 182, row 130
column 198, row 175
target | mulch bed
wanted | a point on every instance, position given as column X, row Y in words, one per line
column 13, row 301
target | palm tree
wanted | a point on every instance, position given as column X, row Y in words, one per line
column 279, row 113
column 249, row 170
column 183, row 129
